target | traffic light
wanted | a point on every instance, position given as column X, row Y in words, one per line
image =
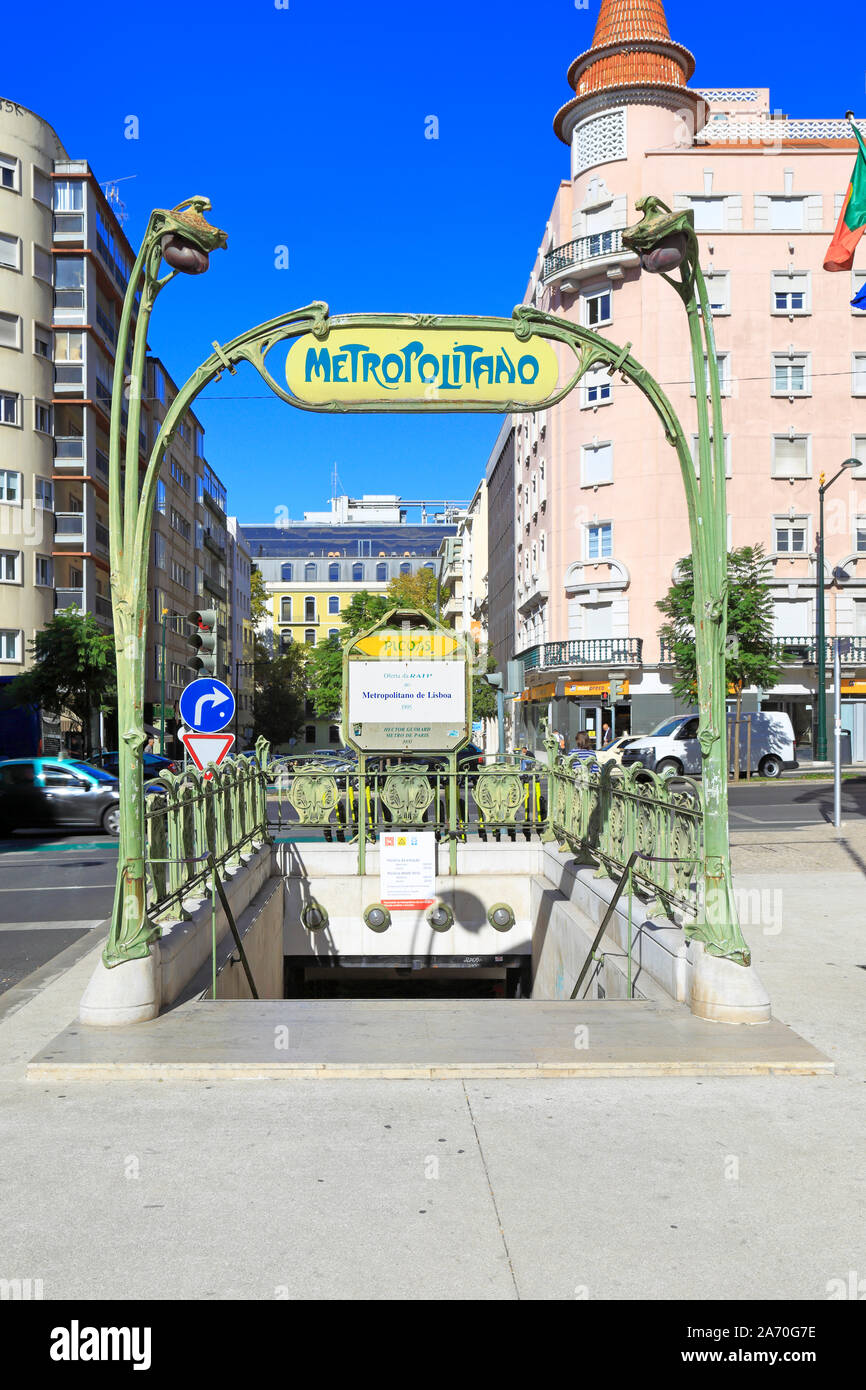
column 204, row 641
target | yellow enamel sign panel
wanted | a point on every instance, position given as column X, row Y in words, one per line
column 408, row 645
column 398, row 365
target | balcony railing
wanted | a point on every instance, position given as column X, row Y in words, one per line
column 800, row 651
column 583, row 250
column 102, row 608
column 69, row 526
column 101, row 463
column 68, row 598
column 102, row 536
column 215, row 546
column 587, row 651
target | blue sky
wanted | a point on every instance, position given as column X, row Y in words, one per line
column 305, row 126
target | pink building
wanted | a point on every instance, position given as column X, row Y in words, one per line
column 600, row 506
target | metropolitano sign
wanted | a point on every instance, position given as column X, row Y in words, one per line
column 385, row 365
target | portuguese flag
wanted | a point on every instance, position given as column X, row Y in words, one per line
column 852, row 219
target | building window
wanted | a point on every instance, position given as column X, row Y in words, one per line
column 791, row 292
column 10, row 331
column 334, row 603
column 310, row 637
column 285, row 642
column 310, row 571
column 357, row 573
column 791, row 535
column 44, row 571
column 709, row 213
column 333, row 573
column 181, row 477
column 286, row 572
column 597, row 308
column 309, row 610
column 10, row 486
column 596, row 464
column 158, row 385
column 10, row 251
column 69, row 289
column 41, row 341
column 334, row 733
column 597, row 387
column 719, row 291
column 697, row 457
column 10, row 643
column 791, row 375
column 69, row 195
column 724, row 361
column 858, row 374
column 159, row 550
column 333, row 634
column 10, row 566
column 858, row 451
column 43, row 266
column 381, row 574
column 285, row 610
column 160, row 496
column 858, row 283
column 599, row 541
column 787, row 214
column 43, row 493
column 9, row 172
column 8, row 408
column 68, row 358
column 791, row 457
column 405, row 568
column 310, row 733
column 42, row 417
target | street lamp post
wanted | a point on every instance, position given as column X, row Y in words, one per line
column 183, row 239
column 820, row 633
column 666, row 243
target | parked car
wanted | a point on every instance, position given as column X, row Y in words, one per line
column 613, row 752
column 672, row 749
column 154, row 764
column 43, row 792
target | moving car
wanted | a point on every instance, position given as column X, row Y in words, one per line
column 672, row 749
column 42, row 792
column 154, row 764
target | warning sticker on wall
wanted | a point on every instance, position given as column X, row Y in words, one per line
column 407, row 869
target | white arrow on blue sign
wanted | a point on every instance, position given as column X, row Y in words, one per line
column 207, row 705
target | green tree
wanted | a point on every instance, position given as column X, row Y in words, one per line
column 73, row 671
column 259, row 605
column 413, row 591
column 484, row 695
column 752, row 660
column 280, row 694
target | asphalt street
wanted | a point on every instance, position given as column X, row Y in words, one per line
column 784, row 805
column 53, row 889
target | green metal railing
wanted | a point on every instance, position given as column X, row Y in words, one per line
column 191, row 818
column 615, row 814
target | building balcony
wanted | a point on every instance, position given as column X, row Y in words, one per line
column 214, row 587
column 214, row 546
column 587, row 651
column 103, row 610
column 800, row 651
column 102, row 538
column 68, row 598
column 69, row 451
column 585, row 256
column 69, row 526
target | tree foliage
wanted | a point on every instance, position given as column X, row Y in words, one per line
column 325, row 664
column 750, row 617
column 280, row 694
column 73, row 670
column 259, row 604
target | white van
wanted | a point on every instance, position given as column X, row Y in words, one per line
column 673, row 749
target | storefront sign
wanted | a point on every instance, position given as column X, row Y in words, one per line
column 599, row 688
column 407, row 870
column 853, row 687
column 463, row 365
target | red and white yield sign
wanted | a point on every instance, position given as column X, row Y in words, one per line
column 206, row 750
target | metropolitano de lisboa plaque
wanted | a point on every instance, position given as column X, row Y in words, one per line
column 406, row 687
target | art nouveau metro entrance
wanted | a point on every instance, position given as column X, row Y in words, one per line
column 519, row 861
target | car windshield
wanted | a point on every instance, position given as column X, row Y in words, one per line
column 97, row 772
column 667, row 728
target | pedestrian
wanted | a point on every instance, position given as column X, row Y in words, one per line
column 605, row 735
column 583, row 749
column 148, row 744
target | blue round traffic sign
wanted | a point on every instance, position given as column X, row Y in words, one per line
column 207, row 705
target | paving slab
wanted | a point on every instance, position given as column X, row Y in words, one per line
column 458, row 1039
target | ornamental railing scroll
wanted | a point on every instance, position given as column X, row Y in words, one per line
column 189, row 816
column 606, row 813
